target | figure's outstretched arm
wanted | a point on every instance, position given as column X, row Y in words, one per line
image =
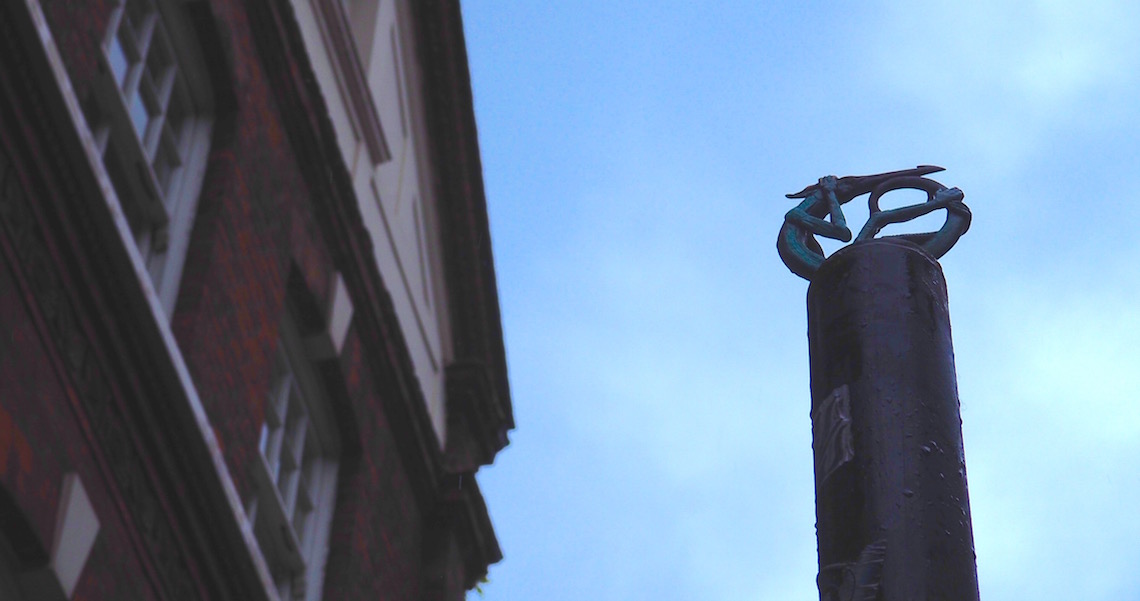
column 835, row 229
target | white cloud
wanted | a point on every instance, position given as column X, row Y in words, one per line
column 1000, row 75
column 1048, row 379
column 1066, row 354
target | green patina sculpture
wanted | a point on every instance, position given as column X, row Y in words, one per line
column 802, row 253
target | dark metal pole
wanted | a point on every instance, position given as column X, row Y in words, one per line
column 892, row 513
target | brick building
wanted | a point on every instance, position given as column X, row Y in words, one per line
column 250, row 344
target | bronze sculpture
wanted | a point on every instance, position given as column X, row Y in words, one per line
column 802, row 253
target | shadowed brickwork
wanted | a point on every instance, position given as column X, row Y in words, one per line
column 161, row 421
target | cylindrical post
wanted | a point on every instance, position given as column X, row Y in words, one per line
column 892, row 514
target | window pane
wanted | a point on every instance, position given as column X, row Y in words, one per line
column 160, row 70
column 300, row 524
column 120, row 179
column 163, row 170
column 287, row 484
column 157, row 57
column 140, row 117
column 296, row 424
column 273, row 452
column 281, row 403
column 118, row 60
column 176, row 117
column 141, row 20
column 138, row 11
column 309, row 464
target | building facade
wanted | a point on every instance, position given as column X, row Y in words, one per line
column 250, row 343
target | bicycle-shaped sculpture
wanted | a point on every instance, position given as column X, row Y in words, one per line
column 802, row 253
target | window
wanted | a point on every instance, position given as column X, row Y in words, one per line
column 151, row 123
column 296, row 474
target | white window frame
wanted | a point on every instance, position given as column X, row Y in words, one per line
column 151, row 124
column 296, row 473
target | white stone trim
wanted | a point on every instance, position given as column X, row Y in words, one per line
column 328, row 343
column 75, row 530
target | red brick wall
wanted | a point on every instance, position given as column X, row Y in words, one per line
column 41, row 440
column 254, row 227
column 79, row 25
column 376, row 541
column 232, row 295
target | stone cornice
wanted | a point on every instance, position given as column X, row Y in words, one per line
column 465, row 513
column 469, row 263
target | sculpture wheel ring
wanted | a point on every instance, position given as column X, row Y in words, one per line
column 936, row 243
column 902, row 183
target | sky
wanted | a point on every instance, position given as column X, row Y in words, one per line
column 636, row 155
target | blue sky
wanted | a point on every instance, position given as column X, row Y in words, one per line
column 636, row 155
